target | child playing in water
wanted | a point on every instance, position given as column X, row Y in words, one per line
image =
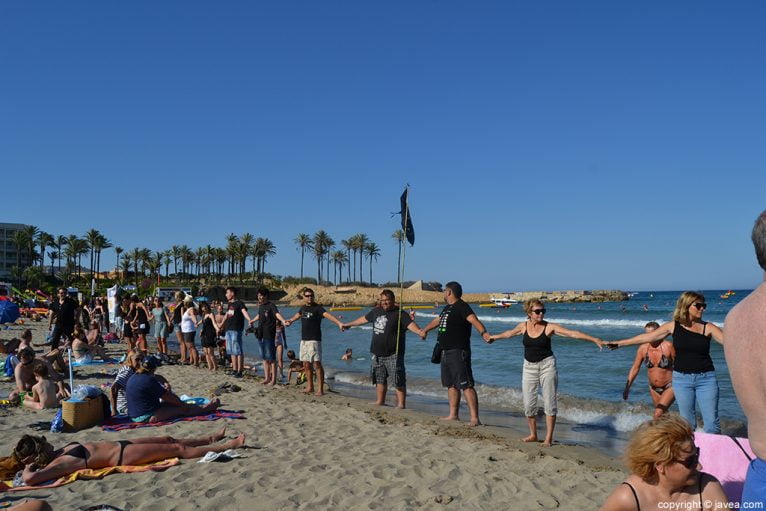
column 45, row 393
column 296, row 366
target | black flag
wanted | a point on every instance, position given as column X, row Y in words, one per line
column 409, row 231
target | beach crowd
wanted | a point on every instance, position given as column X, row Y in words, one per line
column 662, row 456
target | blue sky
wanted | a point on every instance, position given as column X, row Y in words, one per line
column 548, row 144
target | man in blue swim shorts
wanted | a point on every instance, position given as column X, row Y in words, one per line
column 745, row 349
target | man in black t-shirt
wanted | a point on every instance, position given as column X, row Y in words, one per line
column 455, row 322
column 268, row 314
column 234, row 324
column 389, row 330
column 64, row 315
column 311, row 315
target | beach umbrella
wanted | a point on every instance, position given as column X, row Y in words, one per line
column 9, row 311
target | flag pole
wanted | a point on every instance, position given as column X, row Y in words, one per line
column 405, row 214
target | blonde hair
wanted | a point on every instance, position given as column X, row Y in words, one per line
column 687, row 298
column 657, row 441
column 529, row 305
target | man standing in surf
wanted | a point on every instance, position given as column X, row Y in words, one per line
column 311, row 315
column 454, row 323
column 745, row 351
column 387, row 347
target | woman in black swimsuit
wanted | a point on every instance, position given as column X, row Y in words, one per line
column 539, row 368
column 140, row 322
column 42, row 462
column 665, row 469
column 658, row 358
column 694, row 380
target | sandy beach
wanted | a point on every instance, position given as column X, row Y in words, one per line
column 326, row 452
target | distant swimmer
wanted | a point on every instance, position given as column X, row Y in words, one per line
column 348, row 354
column 658, row 356
column 646, row 307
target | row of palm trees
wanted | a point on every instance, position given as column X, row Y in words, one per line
column 72, row 248
column 230, row 260
column 358, row 246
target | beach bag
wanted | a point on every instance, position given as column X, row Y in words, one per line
column 436, row 356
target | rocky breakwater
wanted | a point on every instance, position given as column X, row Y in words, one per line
column 596, row 295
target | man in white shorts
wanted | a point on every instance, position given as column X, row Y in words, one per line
column 311, row 314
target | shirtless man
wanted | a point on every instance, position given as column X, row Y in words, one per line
column 25, row 377
column 745, row 350
column 45, row 393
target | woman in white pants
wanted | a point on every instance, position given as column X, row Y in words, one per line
column 540, row 365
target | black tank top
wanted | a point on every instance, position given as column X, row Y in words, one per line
column 208, row 329
column 537, row 348
column 692, row 351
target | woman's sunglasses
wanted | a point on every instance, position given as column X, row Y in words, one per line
column 538, row 311
column 700, row 305
column 691, row 461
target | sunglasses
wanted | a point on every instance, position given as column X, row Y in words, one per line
column 308, row 296
column 691, row 461
column 538, row 311
column 700, row 305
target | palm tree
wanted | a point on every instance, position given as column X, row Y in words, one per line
column 347, row 244
column 372, row 251
column 320, row 247
column 232, row 249
column 246, row 242
column 167, row 258
column 53, row 256
column 45, row 240
column 71, row 241
column 118, row 251
column 31, row 232
column 77, row 248
column 398, row 235
column 328, row 245
column 176, row 252
column 135, row 255
column 360, row 241
column 199, row 256
column 304, row 243
column 101, row 244
column 263, row 249
column 92, row 238
column 339, row 259
column 60, row 242
column 220, row 259
column 20, row 240
column 125, row 266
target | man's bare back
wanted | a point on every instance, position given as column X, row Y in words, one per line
column 44, row 395
column 745, row 350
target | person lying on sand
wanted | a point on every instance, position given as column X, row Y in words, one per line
column 150, row 401
column 42, row 462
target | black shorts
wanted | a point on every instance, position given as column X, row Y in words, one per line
column 208, row 341
column 127, row 330
column 189, row 337
column 456, row 369
column 60, row 331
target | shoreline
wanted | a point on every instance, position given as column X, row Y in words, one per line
column 331, row 451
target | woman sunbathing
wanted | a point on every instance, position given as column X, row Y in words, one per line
column 42, row 462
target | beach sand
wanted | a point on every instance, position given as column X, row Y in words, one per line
column 327, row 452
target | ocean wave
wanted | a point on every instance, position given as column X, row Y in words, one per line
column 597, row 322
column 617, row 416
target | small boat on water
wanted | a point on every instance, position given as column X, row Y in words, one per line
column 503, row 302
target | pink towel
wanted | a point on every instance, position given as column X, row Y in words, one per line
column 721, row 457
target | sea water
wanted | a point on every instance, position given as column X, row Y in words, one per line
column 590, row 381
